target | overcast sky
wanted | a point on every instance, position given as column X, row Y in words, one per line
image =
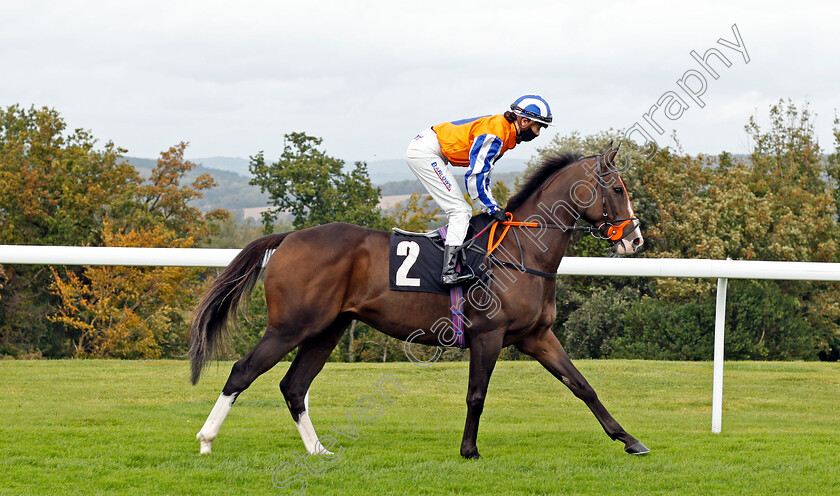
column 233, row 77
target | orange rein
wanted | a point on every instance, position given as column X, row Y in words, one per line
column 508, row 224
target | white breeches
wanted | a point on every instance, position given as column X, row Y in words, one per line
column 432, row 169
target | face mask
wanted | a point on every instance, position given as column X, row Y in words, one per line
column 526, row 134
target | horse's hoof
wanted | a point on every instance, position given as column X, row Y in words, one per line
column 637, row 448
column 205, row 448
column 471, row 455
column 206, row 444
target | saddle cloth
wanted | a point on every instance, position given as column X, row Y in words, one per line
column 415, row 261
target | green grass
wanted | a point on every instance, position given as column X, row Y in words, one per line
column 128, row 427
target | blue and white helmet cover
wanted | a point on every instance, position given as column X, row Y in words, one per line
column 533, row 107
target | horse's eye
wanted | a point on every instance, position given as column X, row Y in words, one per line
column 618, row 189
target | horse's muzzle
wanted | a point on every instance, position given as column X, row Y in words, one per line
column 629, row 244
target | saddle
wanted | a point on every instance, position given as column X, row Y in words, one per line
column 416, row 259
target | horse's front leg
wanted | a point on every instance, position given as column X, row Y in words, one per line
column 484, row 350
column 544, row 346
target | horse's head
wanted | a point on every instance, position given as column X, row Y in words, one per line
column 566, row 188
column 606, row 204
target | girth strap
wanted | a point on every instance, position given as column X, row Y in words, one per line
column 522, row 268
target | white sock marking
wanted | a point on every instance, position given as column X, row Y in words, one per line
column 211, row 427
column 307, row 430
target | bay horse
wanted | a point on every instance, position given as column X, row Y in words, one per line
column 319, row 279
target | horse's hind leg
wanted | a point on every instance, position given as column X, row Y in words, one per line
column 545, row 347
column 310, row 359
column 273, row 346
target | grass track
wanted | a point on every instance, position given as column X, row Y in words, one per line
column 128, row 427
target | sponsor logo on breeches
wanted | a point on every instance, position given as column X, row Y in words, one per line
column 442, row 176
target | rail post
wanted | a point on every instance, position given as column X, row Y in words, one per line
column 717, row 380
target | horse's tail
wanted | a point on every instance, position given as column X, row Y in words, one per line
column 220, row 305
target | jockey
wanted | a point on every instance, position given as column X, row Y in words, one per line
column 477, row 144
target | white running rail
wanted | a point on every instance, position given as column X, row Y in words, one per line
column 722, row 270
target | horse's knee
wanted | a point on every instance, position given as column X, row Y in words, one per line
column 475, row 402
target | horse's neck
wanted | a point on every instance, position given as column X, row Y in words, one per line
column 544, row 248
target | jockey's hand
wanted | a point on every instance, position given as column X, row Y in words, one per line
column 499, row 215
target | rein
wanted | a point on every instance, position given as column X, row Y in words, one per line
column 492, row 245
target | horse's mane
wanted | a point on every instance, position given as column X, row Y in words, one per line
column 535, row 180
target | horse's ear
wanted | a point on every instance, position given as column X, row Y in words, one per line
column 611, row 152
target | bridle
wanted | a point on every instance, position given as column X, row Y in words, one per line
column 615, row 229
column 609, row 230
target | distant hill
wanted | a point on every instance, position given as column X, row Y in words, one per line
column 233, row 192
column 385, row 171
column 380, row 171
column 408, row 186
column 230, row 164
column 395, row 179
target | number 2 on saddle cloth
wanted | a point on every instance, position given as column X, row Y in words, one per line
column 415, row 262
column 416, row 259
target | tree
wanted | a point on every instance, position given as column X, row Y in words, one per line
column 415, row 213
column 128, row 312
column 590, row 331
column 500, row 192
column 55, row 189
column 656, row 329
column 779, row 204
column 833, row 164
column 141, row 312
column 775, row 206
column 311, row 185
column 162, row 200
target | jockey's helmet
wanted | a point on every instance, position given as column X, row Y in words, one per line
column 533, row 107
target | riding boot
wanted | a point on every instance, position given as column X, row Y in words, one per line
column 450, row 277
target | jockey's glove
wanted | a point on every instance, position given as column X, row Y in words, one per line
column 499, row 215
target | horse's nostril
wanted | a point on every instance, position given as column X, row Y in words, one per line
column 638, row 241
